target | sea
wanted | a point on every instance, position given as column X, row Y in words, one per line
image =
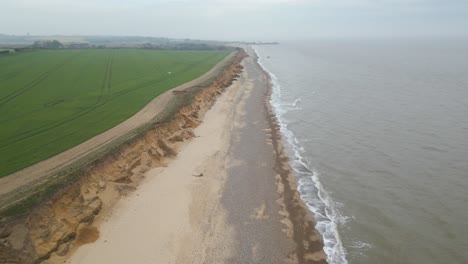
column 377, row 134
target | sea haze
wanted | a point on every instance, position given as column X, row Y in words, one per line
column 378, row 135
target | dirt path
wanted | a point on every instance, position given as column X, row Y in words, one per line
column 41, row 170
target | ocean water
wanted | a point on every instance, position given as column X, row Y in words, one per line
column 377, row 132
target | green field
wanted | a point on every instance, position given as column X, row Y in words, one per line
column 51, row 100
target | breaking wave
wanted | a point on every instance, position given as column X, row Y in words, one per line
column 325, row 210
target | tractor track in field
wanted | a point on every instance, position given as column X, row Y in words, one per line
column 38, row 172
column 35, row 82
column 106, row 84
column 107, row 81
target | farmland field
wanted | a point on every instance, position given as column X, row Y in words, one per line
column 52, row 100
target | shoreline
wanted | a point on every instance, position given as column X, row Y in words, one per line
column 221, row 191
column 235, row 212
column 309, row 242
column 330, row 239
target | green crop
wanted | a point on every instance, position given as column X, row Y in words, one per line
column 52, row 100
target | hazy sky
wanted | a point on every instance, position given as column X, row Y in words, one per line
column 236, row 19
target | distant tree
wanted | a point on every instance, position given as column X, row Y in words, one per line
column 21, row 49
column 4, row 51
column 38, row 44
column 54, row 44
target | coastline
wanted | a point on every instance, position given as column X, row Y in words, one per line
column 226, row 195
column 244, row 207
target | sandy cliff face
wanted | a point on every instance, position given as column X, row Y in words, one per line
column 66, row 220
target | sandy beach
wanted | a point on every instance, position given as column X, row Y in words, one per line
column 228, row 196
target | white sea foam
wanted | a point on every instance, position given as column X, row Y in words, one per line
column 325, row 210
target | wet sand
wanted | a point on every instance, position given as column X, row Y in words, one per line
column 228, row 196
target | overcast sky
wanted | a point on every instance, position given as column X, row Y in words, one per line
column 262, row 20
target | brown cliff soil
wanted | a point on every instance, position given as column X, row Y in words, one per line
column 65, row 221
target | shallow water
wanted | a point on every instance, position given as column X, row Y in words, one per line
column 378, row 136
